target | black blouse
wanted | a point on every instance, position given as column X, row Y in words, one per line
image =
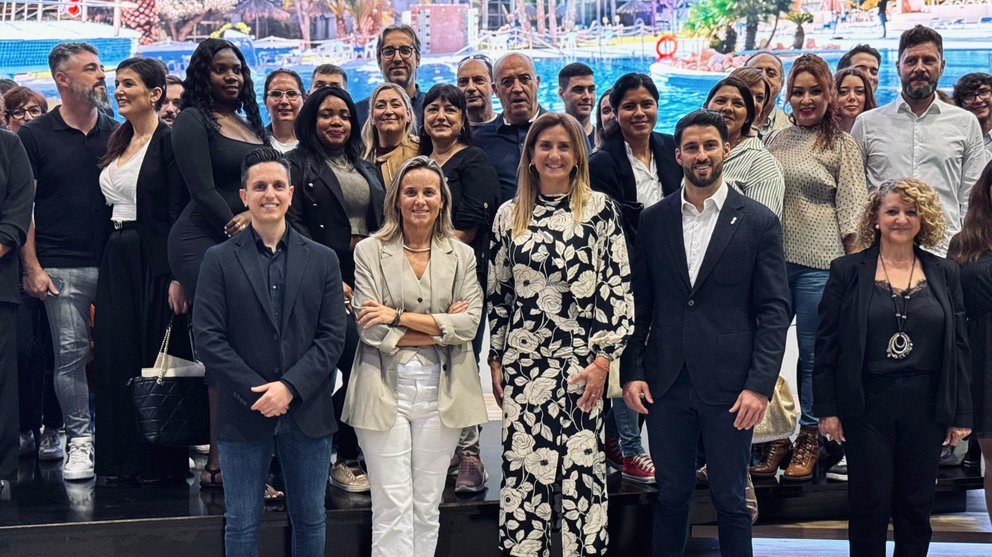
column 475, row 195
column 925, row 326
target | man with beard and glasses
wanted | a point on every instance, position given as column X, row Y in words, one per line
column 919, row 136
column 503, row 138
column 173, row 102
column 709, row 277
column 61, row 256
column 398, row 56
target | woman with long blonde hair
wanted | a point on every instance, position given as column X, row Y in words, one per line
column 389, row 134
column 561, row 311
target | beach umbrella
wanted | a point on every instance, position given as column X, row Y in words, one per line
column 260, row 9
column 634, row 7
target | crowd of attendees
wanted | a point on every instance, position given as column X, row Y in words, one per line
column 629, row 277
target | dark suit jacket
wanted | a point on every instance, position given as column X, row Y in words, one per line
column 242, row 346
column 318, row 206
column 16, row 202
column 728, row 329
column 838, row 388
column 161, row 189
column 611, row 173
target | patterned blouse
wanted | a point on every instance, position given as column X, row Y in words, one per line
column 561, row 289
column 825, row 193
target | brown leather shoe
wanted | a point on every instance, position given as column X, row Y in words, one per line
column 804, row 454
column 774, row 455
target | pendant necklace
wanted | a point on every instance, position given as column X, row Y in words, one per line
column 900, row 345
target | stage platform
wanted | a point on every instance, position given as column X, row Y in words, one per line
column 41, row 515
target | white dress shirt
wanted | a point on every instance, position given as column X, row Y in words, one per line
column 942, row 148
column 988, row 143
column 119, row 184
column 697, row 228
column 646, row 180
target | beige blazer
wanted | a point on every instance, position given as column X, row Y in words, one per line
column 371, row 399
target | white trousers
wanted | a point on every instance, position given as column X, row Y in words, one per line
column 407, row 467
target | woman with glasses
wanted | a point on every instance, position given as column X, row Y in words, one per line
column 283, row 99
column 389, row 133
column 337, row 202
column 23, row 105
column 973, row 92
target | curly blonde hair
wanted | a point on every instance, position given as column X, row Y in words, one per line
column 911, row 190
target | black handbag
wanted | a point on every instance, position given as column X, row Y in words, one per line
column 170, row 400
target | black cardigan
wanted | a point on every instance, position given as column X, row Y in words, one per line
column 318, row 211
column 16, row 201
column 611, row 173
column 161, row 190
column 838, row 388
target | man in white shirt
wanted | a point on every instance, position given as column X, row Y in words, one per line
column 973, row 92
column 919, row 136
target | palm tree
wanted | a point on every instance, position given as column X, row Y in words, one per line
column 303, row 9
column 340, row 9
column 540, row 17
column 799, row 18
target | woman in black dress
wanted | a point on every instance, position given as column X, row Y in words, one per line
column 337, row 201
column 132, row 302
column 891, row 378
column 972, row 249
column 210, row 140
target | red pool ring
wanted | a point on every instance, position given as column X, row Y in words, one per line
column 666, row 47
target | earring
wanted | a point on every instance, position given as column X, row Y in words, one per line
column 574, row 171
column 532, row 169
column 877, row 227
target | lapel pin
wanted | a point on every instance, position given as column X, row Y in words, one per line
column 733, row 220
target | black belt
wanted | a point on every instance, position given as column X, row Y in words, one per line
column 124, row 224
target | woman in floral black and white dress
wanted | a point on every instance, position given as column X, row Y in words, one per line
column 561, row 311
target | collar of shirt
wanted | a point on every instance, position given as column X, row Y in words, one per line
column 103, row 122
column 714, row 202
column 262, row 248
column 934, row 108
column 503, row 119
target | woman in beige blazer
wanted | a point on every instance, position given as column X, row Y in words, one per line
column 415, row 381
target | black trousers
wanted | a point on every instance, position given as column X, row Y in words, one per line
column 9, row 423
column 35, row 367
column 893, row 451
column 345, row 440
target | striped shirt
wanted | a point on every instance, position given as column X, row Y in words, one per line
column 753, row 171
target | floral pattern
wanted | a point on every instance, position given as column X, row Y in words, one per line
column 560, row 296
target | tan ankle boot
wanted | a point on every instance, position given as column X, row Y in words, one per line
column 774, row 455
column 805, row 452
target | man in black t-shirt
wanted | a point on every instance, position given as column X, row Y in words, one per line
column 61, row 257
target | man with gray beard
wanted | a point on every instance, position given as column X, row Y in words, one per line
column 919, row 136
column 61, row 256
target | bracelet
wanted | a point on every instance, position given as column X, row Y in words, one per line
column 396, row 320
column 596, row 363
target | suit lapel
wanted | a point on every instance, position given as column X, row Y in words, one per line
column 330, row 181
column 676, row 238
column 393, row 260
column 866, row 281
column 727, row 223
column 247, row 254
column 618, row 150
column 297, row 258
column 443, row 263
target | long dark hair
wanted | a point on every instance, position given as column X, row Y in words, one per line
column 745, row 92
column 628, row 82
column 454, row 96
column 152, row 74
column 870, row 101
column 818, row 68
column 306, row 127
column 197, row 92
column 975, row 237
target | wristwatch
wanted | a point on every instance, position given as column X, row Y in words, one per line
column 396, row 320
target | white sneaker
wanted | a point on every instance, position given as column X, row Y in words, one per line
column 51, row 445
column 79, row 464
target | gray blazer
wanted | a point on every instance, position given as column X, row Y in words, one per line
column 371, row 400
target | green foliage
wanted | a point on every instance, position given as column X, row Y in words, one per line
column 799, row 18
column 708, row 16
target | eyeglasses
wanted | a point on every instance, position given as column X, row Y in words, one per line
column 983, row 94
column 390, row 51
column 18, row 113
column 291, row 95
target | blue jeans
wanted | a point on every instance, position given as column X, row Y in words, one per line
column 806, row 285
column 623, row 424
column 675, row 422
column 305, row 461
column 69, row 322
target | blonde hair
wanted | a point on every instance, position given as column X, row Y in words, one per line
column 370, row 136
column 911, row 190
column 528, row 181
column 392, row 217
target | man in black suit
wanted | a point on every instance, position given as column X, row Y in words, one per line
column 269, row 319
column 712, row 309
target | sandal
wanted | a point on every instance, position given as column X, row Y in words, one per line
column 214, row 482
column 273, row 495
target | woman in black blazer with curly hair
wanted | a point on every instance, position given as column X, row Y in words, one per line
column 891, row 377
column 337, row 201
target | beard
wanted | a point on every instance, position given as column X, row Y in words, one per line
column 715, row 173
column 918, row 93
column 96, row 95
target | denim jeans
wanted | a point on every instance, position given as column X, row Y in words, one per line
column 69, row 321
column 624, row 424
column 304, row 460
column 806, row 285
column 408, row 466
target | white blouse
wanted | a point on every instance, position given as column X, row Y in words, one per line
column 119, row 184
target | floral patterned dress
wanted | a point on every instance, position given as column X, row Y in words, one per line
column 560, row 295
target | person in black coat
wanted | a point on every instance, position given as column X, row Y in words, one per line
column 891, row 377
column 133, row 299
column 16, row 197
column 635, row 166
column 337, row 201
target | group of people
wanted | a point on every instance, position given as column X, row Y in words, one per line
column 627, row 275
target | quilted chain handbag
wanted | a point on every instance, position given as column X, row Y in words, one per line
column 170, row 399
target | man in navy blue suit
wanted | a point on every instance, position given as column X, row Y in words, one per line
column 712, row 313
column 269, row 318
